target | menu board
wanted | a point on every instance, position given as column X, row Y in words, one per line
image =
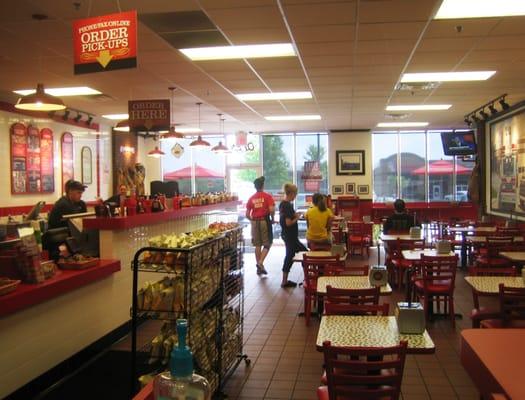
column 67, row 157
column 47, row 172
column 33, row 160
column 18, row 158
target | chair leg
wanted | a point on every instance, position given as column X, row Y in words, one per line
column 452, row 313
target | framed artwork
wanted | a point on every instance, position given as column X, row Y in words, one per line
column 363, row 189
column 87, row 166
column 350, row 188
column 350, row 162
column 337, row 189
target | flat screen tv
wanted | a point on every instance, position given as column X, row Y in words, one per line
column 459, row 143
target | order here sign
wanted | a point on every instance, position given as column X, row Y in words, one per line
column 105, row 43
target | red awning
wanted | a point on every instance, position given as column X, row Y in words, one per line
column 185, row 173
column 442, row 167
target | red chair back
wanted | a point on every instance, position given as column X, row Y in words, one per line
column 352, row 296
column 364, row 372
column 357, row 309
column 438, row 271
column 313, row 267
column 512, row 304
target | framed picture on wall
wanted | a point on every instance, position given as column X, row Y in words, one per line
column 350, row 188
column 350, row 162
column 87, row 166
column 338, row 189
column 363, row 189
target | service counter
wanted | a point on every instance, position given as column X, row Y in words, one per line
column 37, row 336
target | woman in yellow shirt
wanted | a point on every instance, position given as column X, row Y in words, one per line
column 318, row 221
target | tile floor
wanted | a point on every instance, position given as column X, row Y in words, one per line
column 284, row 360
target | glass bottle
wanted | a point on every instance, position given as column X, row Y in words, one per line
column 180, row 383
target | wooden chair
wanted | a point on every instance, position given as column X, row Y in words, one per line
column 488, row 256
column 478, row 313
column 340, row 301
column 362, row 372
column 437, row 283
column 512, row 309
column 355, row 271
column 358, row 239
column 313, row 267
column 399, row 264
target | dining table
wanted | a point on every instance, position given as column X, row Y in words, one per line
column 493, row 358
column 384, row 237
column 317, row 253
column 473, row 231
column 514, row 256
column 348, row 282
column 489, row 285
column 369, row 331
column 415, row 255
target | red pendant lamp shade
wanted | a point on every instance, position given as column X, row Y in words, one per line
column 156, row 153
column 40, row 101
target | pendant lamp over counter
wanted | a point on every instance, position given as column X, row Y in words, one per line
column 40, row 101
column 156, row 152
column 220, row 148
column 172, row 134
column 122, row 126
column 199, row 143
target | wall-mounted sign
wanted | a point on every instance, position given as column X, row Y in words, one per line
column 149, row 115
column 33, row 164
column 105, row 43
column 86, row 165
column 177, row 150
column 67, row 157
column 47, row 170
column 127, row 149
column 18, row 158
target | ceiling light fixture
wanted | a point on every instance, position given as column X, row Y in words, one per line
column 220, row 148
column 473, row 117
column 503, row 104
column 274, row 96
column 452, row 9
column 188, row 130
column 63, row 92
column 89, row 120
column 493, row 109
column 401, row 124
column 40, row 101
column 199, row 143
column 77, row 118
column 422, row 107
column 122, row 126
column 293, row 117
column 233, row 52
column 483, row 114
column 156, row 152
column 467, row 121
column 172, row 133
column 116, row 117
column 463, row 76
column 65, row 117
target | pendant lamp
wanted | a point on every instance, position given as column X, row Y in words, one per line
column 122, row 126
column 172, row 134
column 40, row 101
column 220, row 148
column 199, row 143
column 156, row 152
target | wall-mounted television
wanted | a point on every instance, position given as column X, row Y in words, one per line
column 459, row 143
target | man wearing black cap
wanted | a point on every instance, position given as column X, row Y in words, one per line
column 70, row 203
column 260, row 210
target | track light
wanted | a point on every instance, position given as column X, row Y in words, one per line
column 467, row 121
column 65, row 117
column 492, row 109
column 504, row 105
column 89, row 120
column 77, row 118
column 483, row 114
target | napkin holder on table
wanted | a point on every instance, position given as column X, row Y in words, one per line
column 415, row 232
column 443, row 247
column 410, row 318
column 378, row 275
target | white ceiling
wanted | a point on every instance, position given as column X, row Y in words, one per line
column 351, row 55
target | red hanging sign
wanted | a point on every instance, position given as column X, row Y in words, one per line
column 67, row 157
column 18, row 158
column 149, row 115
column 47, row 171
column 33, row 164
column 105, row 43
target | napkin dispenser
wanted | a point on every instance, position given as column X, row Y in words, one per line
column 378, row 275
column 338, row 249
column 410, row 318
column 415, row 232
column 443, row 247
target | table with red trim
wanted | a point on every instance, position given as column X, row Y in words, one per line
column 27, row 295
column 494, row 360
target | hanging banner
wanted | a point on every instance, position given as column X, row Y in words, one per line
column 67, row 158
column 311, row 170
column 18, row 158
column 33, row 164
column 47, row 170
column 149, row 115
column 105, row 43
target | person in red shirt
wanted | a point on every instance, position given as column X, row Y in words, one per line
column 260, row 210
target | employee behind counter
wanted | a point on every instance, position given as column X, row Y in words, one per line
column 70, row 203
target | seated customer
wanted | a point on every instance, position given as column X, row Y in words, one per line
column 70, row 203
column 118, row 198
column 318, row 221
column 400, row 220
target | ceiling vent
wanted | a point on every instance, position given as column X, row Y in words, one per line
column 98, row 98
column 397, row 116
column 416, row 86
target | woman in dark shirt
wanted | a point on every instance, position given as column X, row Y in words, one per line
column 289, row 231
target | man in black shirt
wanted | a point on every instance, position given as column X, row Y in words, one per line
column 70, row 203
column 400, row 220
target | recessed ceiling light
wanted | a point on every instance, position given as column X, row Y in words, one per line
column 274, row 96
column 422, row 107
column 451, row 9
column 293, row 117
column 62, row 92
column 401, row 124
column 246, row 51
column 447, row 76
column 188, row 130
column 116, row 117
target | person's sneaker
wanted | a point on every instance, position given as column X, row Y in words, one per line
column 259, row 270
column 263, row 271
column 289, row 284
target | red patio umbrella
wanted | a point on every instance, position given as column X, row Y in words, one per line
column 442, row 167
column 185, row 173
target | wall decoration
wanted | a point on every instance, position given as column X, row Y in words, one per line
column 86, row 165
column 124, row 159
column 18, row 158
column 363, row 189
column 350, row 162
column 337, row 189
column 350, row 188
column 33, row 165
column 149, row 115
column 66, row 147
column 47, row 169
column 507, row 164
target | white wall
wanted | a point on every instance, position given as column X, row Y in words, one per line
column 82, row 137
column 351, row 141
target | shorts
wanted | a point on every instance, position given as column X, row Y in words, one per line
column 262, row 233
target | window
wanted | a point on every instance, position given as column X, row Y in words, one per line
column 412, row 166
column 277, row 161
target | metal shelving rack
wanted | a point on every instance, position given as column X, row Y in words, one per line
column 208, row 282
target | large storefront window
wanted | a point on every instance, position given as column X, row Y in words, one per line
column 412, row 166
column 277, row 151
